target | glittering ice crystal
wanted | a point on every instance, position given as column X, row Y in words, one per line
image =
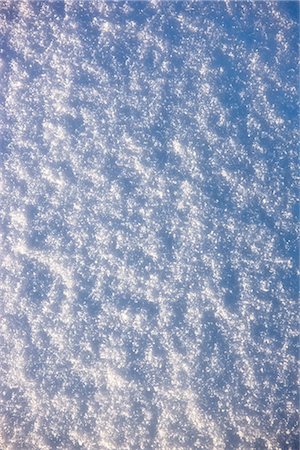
column 148, row 158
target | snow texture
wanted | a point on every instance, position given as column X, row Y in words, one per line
column 148, row 164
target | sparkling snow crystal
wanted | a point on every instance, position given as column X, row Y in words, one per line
column 148, row 163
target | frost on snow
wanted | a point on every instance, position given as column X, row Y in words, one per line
column 148, row 157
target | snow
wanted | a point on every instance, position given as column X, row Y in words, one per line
column 148, row 224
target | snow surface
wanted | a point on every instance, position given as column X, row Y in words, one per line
column 148, row 162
